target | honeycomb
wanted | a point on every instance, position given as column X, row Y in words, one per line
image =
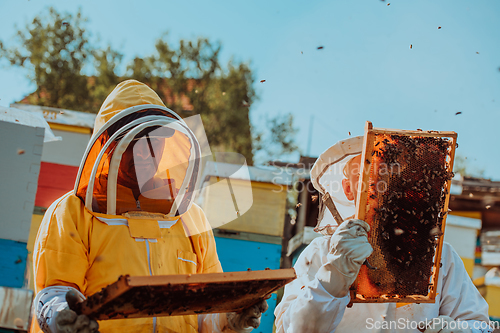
column 406, row 196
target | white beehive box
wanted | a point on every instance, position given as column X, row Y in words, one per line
column 461, row 233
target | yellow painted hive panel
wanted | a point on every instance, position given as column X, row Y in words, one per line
column 263, row 214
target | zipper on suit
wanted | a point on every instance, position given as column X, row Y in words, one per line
column 150, row 274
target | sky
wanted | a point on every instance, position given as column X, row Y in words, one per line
column 383, row 61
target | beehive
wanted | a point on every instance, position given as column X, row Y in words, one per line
column 403, row 195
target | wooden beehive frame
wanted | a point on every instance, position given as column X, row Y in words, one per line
column 362, row 196
column 189, row 294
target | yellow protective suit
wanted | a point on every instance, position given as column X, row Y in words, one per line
column 88, row 250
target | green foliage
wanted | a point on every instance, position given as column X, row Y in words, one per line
column 192, row 72
column 278, row 141
column 56, row 49
column 462, row 167
column 71, row 72
column 105, row 63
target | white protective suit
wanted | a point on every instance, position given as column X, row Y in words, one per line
column 307, row 307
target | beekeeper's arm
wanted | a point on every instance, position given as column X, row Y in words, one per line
column 60, row 264
column 316, row 300
column 460, row 299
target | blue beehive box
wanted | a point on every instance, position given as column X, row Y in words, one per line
column 12, row 263
column 248, row 225
column 241, row 255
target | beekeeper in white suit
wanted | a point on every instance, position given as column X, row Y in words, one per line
column 317, row 300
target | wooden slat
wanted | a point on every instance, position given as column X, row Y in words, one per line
column 15, row 308
column 415, row 133
column 387, row 299
column 160, row 280
column 247, row 236
column 361, row 199
column 70, row 128
column 366, row 159
column 437, row 260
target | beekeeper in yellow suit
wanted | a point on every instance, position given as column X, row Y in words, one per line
column 131, row 212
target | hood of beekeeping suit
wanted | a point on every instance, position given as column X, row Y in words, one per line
column 141, row 157
column 328, row 172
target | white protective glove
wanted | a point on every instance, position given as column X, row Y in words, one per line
column 67, row 321
column 349, row 249
column 445, row 324
column 248, row 319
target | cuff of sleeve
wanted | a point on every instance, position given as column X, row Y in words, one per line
column 214, row 323
column 48, row 303
column 320, row 291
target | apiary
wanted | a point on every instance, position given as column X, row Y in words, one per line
column 403, row 194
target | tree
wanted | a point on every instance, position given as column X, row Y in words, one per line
column 71, row 72
column 221, row 96
column 56, row 49
column 106, row 78
column 278, row 139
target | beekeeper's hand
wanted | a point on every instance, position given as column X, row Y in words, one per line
column 349, row 248
column 248, row 319
column 67, row 321
column 445, row 324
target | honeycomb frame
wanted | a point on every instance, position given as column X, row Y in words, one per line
column 410, row 276
column 183, row 294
